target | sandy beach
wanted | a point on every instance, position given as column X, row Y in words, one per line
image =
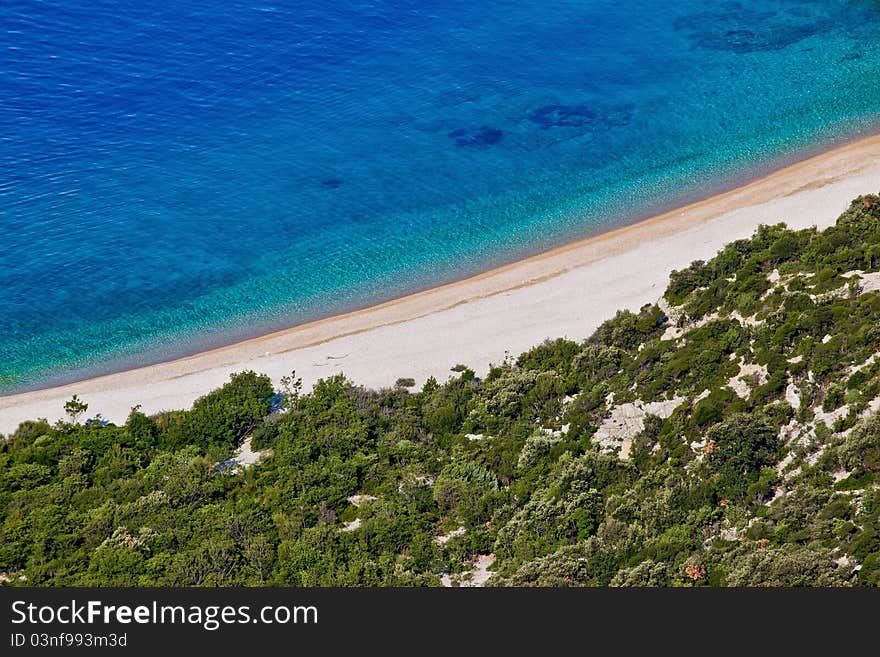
column 565, row 292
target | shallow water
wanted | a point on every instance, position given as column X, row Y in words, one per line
column 182, row 175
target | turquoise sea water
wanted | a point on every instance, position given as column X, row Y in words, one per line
column 180, row 175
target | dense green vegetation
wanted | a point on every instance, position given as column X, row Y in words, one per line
column 763, row 469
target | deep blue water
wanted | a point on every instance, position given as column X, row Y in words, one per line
column 178, row 175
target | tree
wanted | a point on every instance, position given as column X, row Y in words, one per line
column 141, row 429
column 74, row 408
column 228, row 414
column 789, row 565
column 291, row 386
column 740, row 447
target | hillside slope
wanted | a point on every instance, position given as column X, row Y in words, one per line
column 726, row 435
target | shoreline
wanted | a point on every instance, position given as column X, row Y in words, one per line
column 232, row 336
column 565, row 292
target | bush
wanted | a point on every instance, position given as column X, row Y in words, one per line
column 860, row 451
column 228, row 414
column 741, row 446
column 786, row 566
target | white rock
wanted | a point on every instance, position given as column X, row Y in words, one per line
column 359, row 499
column 839, row 475
column 739, row 386
column 351, row 526
column 627, row 420
column 702, row 395
column 445, row 538
column 476, row 577
column 792, row 396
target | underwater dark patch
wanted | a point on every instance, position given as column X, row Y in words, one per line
column 743, row 31
column 559, row 116
column 581, row 116
column 482, row 136
column 617, row 116
column 331, row 183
